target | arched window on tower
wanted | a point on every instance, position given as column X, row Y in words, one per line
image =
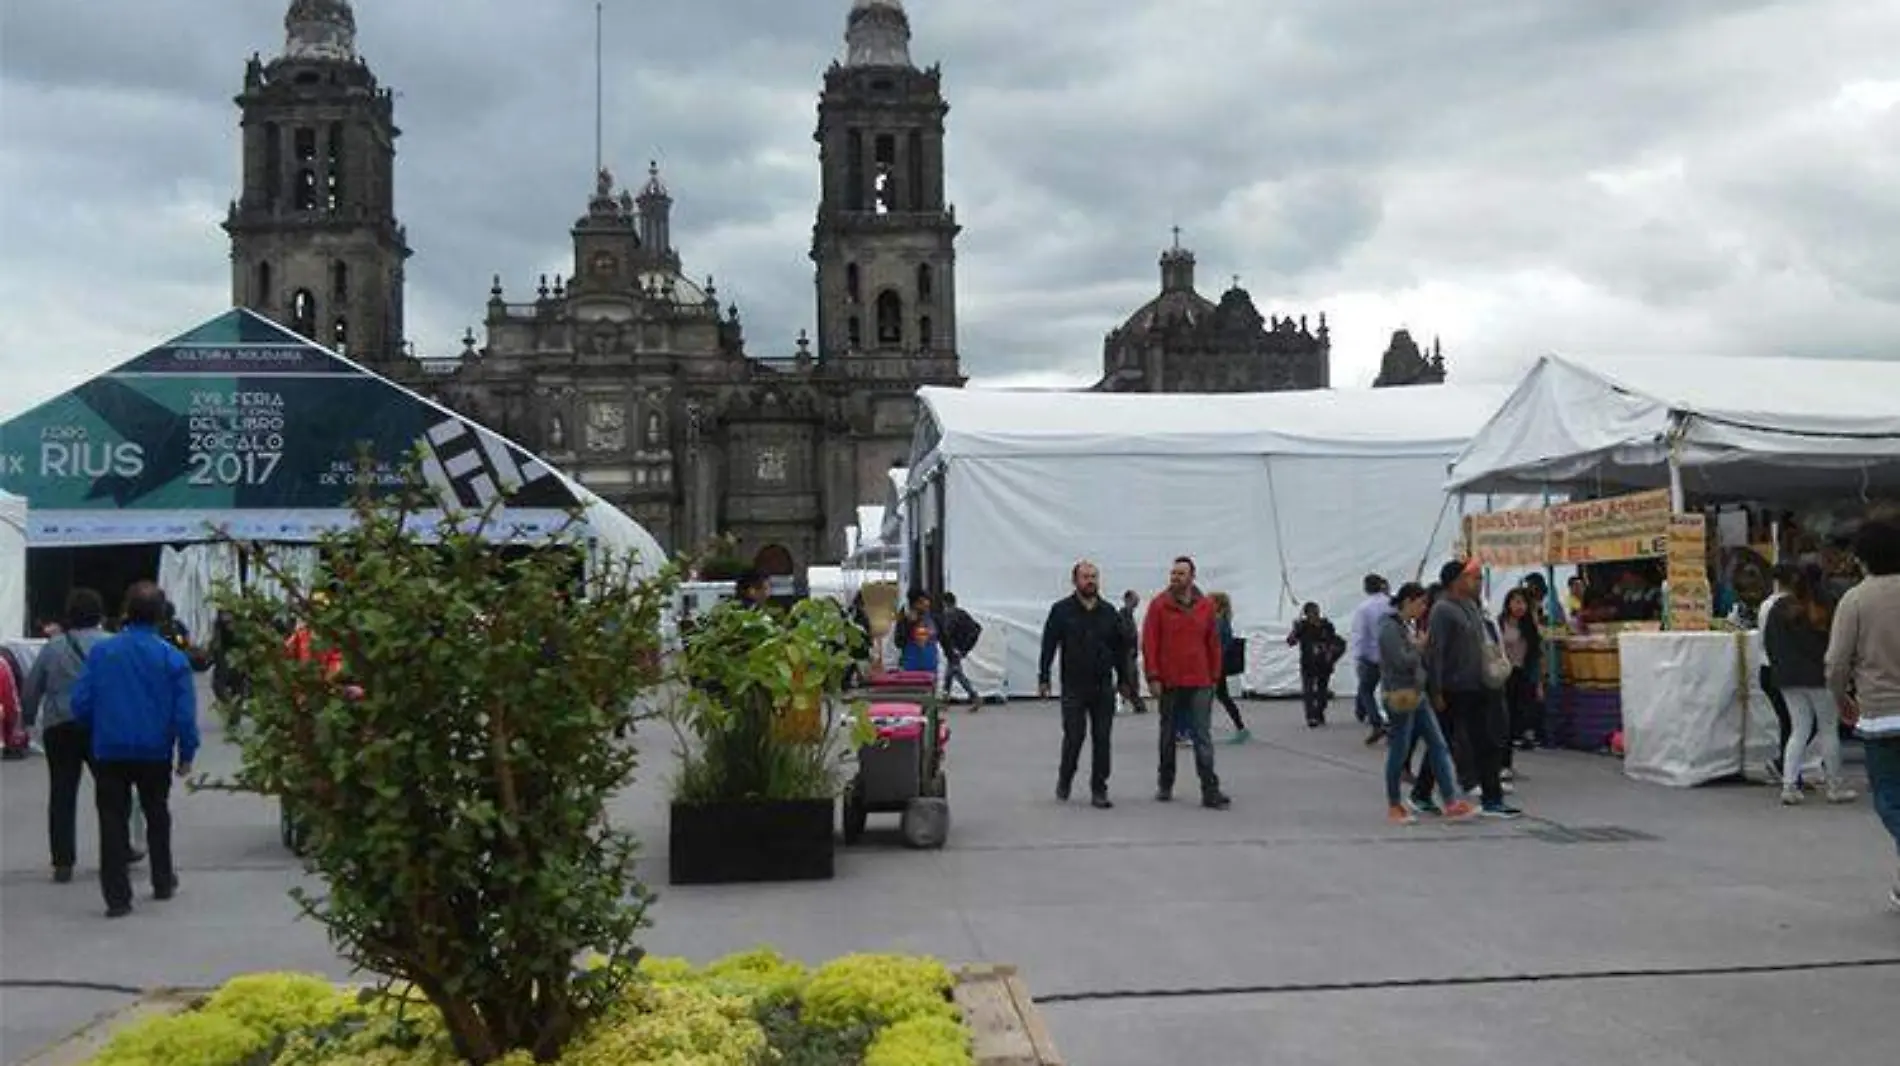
column 926, row 284
column 334, row 167
column 339, row 281
column 854, row 333
column 916, row 170
column 305, row 191
column 852, row 289
column 924, row 339
column 273, row 176
column 854, row 172
column 303, row 313
column 262, row 295
column 340, row 335
column 890, row 317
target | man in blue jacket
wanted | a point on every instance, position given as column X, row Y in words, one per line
column 137, row 698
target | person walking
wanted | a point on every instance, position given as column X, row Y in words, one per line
column 1088, row 634
column 1797, row 633
column 1319, row 646
column 1180, row 649
column 1784, row 578
column 1466, row 671
column 1131, row 638
column 960, row 635
column 1523, row 641
column 49, row 693
column 1233, row 661
column 137, row 699
column 1365, row 653
column 1402, row 672
column 1863, row 669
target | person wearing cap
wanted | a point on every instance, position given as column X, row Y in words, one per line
column 1461, row 672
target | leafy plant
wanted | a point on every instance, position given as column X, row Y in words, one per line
column 451, row 768
column 759, row 715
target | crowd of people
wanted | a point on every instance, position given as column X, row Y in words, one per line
column 1438, row 675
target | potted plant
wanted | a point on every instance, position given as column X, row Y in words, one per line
column 765, row 739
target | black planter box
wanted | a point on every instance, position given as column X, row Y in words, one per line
column 774, row 840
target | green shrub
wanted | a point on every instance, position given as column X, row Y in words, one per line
column 452, row 780
column 878, row 990
column 927, row 1041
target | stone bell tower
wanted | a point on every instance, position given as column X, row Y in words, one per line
column 315, row 244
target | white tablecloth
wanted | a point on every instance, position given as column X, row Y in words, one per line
column 1693, row 708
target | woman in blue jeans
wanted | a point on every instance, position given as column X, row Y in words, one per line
column 1402, row 675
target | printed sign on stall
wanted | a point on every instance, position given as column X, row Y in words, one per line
column 1611, row 530
column 1691, row 601
column 1508, row 538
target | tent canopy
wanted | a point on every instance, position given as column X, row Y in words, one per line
column 1281, row 498
column 1738, row 426
column 241, row 425
column 1418, row 420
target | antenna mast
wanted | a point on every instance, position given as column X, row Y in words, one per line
column 600, row 87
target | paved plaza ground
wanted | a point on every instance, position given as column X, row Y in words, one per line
column 1624, row 924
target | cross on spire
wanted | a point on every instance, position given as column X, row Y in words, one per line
column 1177, row 238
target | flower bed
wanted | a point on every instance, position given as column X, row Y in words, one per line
column 745, row 1010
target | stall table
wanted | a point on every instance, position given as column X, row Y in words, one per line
column 1693, row 708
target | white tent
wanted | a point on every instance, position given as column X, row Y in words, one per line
column 12, row 566
column 1280, row 497
column 1730, row 427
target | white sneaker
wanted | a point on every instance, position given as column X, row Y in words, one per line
column 1792, row 797
column 1842, row 795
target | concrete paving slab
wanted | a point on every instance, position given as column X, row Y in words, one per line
column 1302, row 883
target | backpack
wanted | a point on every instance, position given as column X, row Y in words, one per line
column 968, row 632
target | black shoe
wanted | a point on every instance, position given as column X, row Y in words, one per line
column 1062, row 793
column 1377, row 734
column 1314, row 723
column 119, row 910
column 1164, row 795
column 1215, row 801
column 1100, row 801
column 62, row 875
column 165, row 892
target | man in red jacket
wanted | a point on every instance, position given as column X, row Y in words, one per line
column 1180, row 647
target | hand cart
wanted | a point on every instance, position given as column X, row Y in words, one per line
column 906, row 761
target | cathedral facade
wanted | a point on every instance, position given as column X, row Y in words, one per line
column 626, row 372
column 1181, row 341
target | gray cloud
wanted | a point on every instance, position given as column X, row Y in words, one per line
column 1579, row 175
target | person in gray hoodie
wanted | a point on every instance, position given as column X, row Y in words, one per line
column 1402, row 676
column 48, row 703
column 1466, row 669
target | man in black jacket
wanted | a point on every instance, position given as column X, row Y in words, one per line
column 1095, row 661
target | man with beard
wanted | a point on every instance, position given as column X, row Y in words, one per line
column 1180, row 648
column 1095, row 659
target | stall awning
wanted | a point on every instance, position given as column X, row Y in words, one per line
column 1737, row 426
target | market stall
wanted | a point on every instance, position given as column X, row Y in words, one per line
column 1658, row 450
column 241, row 428
column 1282, row 498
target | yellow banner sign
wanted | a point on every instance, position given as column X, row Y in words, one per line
column 1621, row 527
column 1508, row 538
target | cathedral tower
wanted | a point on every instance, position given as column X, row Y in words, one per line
column 315, row 244
column 885, row 240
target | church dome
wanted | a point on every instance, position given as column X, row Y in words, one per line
column 320, row 29
column 877, row 34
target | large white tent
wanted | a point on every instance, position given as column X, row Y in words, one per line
column 1280, row 497
column 1729, row 428
column 12, row 566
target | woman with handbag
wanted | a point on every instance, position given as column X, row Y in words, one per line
column 1233, row 656
column 1402, row 675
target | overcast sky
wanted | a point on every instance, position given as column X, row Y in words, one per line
column 1518, row 176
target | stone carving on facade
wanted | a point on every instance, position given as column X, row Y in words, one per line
column 654, row 429
column 606, row 426
column 557, row 433
column 772, row 465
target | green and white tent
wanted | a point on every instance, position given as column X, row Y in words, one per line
column 242, row 426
